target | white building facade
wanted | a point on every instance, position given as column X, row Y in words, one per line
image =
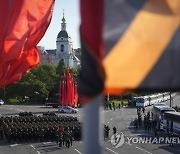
column 64, row 48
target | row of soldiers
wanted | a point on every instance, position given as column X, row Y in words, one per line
column 149, row 123
column 36, row 118
column 41, row 128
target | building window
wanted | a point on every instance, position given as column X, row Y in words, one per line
column 62, row 48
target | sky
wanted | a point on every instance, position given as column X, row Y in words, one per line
column 72, row 16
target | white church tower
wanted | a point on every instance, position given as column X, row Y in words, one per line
column 64, row 48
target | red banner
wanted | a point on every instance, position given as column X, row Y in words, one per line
column 68, row 90
column 23, row 23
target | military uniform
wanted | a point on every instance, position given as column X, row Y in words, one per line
column 27, row 127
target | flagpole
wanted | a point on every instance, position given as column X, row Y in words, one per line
column 91, row 131
column 107, row 97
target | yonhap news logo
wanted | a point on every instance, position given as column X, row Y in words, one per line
column 118, row 139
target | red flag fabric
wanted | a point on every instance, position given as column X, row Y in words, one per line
column 68, row 90
column 75, row 95
column 65, row 91
column 72, row 98
column 62, row 92
column 23, row 23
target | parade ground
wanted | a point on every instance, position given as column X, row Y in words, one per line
column 121, row 118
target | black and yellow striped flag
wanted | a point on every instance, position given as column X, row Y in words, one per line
column 130, row 44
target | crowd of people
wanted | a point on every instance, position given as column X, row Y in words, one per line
column 149, row 124
column 147, row 121
column 47, row 127
column 112, row 105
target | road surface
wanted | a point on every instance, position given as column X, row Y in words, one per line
column 122, row 119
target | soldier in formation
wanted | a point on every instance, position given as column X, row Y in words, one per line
column 48, row 127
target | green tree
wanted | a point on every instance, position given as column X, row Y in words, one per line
column 38, row 84
column 60, row 68
column 46, row 73
column 37, row 91
column 74, row 72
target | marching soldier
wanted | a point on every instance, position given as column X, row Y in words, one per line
column 32, row 127
column 67, row 140
column 71, row 137
column 1, row 132
column 60, row 139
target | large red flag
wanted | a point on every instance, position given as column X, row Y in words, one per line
column 62, row 92
column 75, row 95
column 23, row 23
column 68, row 90
column 68, row 79
column 71, row 90
column 65, row 91
column 72, row 98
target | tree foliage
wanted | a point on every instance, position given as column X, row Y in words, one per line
column 38, row 84
column 60, row 68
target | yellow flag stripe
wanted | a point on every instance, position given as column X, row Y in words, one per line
column 137, row 51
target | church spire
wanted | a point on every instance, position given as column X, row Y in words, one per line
column 63, row 24
column 63, row 19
